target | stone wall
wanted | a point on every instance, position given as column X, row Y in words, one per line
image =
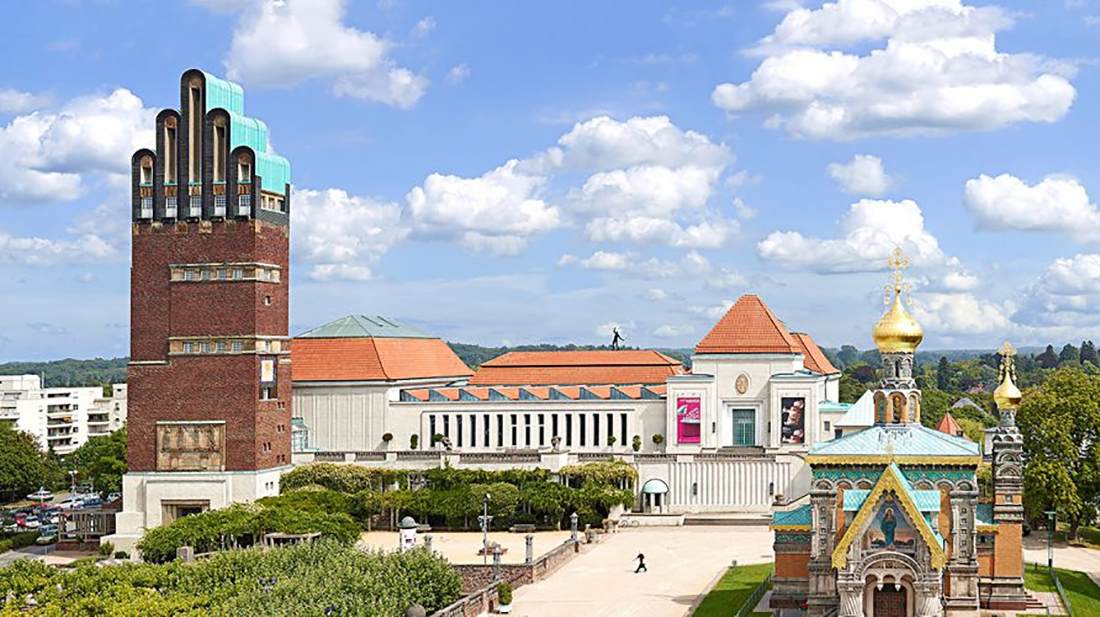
column 479, row 585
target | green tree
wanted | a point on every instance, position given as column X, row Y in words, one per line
column 1060, row 420
column 101, row 461
column 1048, row 359
column 1069, row 355
column 847, row 356
column 23, row 467
column 1088, row 353
column 943, row 374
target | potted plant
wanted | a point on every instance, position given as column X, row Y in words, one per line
column 414, row 441
column 611, row 441
column 637, row 443
column 658, row 439
column 386, row 439
column 504, row 598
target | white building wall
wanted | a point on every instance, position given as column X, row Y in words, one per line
column 59, row 417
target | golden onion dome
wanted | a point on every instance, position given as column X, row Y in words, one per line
column 1007, row 395
column 897, row 331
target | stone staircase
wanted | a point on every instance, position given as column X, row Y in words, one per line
column 728, row 519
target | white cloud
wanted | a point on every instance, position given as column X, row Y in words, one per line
column 672, row 331
column 34, row 251
column 1057, row 203
column 600, row 260
column 458, row 74
column 949, row 314
column 424, row 27
column 868, row 233
column 712, row 313
column 496, row 212
column 608, row 329
column 960, row 281
column 285, row 42
column 742, row 209
column 632, row 264
column 603, row 143
column 1065, row 295
column 656, row 294
column 644, row 230
column 725, row 279
column 342, row 236
column 647, row 190
column 864, row 175
column 17, row 102
column 45, row 155
column 937, row 71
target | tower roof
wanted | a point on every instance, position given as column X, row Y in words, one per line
column 749, row 326
column 949, row 425
column 815, row 360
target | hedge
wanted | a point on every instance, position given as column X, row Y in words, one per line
column 242, row 525
column 341, row 478
column 19, row 540
column 300, row 580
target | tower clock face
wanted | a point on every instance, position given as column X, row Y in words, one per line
column 742, row 383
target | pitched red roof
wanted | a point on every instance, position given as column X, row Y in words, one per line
column 814, row 359
column 600, row 367
column 949, row 425
column 373, row 359
column 748, row 327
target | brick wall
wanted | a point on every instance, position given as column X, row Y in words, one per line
column 215, row 386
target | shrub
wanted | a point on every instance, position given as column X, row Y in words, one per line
column 387, row 437
column 438, row 437
column 122, row 555
column 304, row 580
column 611, row 472
column 504, row 593
column 611, row 440
column 637, row 443
column 106, row 549
column 414, row 441
column 658, row 439
column 341, row 478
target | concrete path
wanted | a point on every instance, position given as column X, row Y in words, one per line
column 683, row 563
column 1068, row 557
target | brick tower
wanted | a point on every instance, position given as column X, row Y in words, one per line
column 209, row 375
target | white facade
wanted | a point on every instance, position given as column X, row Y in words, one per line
column 740, row 459
column 61, row 419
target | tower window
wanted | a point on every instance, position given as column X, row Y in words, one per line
column 194, row 132
column 238, row 346
column 170, row 151
column 221, row 346
column 238, row 273
column 146, row 170
column 244, row 170
column 267, row 300
column 219, row 151
column 188, row 347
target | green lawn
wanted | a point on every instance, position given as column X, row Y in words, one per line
column 1083, row 594
column 735, row 586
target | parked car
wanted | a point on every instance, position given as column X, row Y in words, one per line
column 71, row 503
column 47, row 534
column 32, row 522
column 12, row 528
column 112, row 497
column 41, row 495
column 91, row 502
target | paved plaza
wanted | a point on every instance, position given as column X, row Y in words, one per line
column 683, row 562
column 461, row 547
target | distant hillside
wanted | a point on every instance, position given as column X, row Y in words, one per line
column 476, row 355
column 71, row 372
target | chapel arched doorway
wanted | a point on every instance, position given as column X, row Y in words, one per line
column 890, row 600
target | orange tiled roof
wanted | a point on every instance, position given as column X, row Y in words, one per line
column 813, row 358
column 949, row 425
column 600, row 391
column 577, row 368
column 748, row 327
column 373, row 359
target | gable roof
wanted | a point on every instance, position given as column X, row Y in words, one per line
column 860, row 414
column 362, row 326
column 798, row 519
column 813, row 358
column 561, row 368
column 373, row 359
column 949, row 425
column 891, row 480
column 901, row 442
column 748, row 327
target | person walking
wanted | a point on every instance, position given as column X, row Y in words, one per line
column 641, row 564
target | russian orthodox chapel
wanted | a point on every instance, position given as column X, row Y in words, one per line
column 893, row 525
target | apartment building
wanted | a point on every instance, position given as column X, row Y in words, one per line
column 61, row 419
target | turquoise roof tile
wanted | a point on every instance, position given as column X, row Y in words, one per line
column 900, row 439
column 984, row 514
column 362, row 326
column 799, row 516
column 273, row 169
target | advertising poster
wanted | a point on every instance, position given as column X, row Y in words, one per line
column 794, row 420
column 688, row 417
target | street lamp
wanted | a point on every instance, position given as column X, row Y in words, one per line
column 1052, row 524
column 72, row 482
column 484, row 519
column 573, row 526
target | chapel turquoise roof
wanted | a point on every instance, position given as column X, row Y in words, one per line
column 799, row 516
column 898, row 440
column 983, row 514
column 925, row 500
column 247, row 131
column 363, row 326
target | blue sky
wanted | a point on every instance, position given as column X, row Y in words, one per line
column 527, row 172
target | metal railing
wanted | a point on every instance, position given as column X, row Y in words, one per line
column 1062, row 593
column 750, row 603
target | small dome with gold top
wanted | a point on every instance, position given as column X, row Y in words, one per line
column 897, row 331
column 1007, row 395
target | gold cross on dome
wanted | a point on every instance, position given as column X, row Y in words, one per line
column 897, row 262
column 1007, row 350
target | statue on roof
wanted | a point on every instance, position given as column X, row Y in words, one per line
column 616, row 338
